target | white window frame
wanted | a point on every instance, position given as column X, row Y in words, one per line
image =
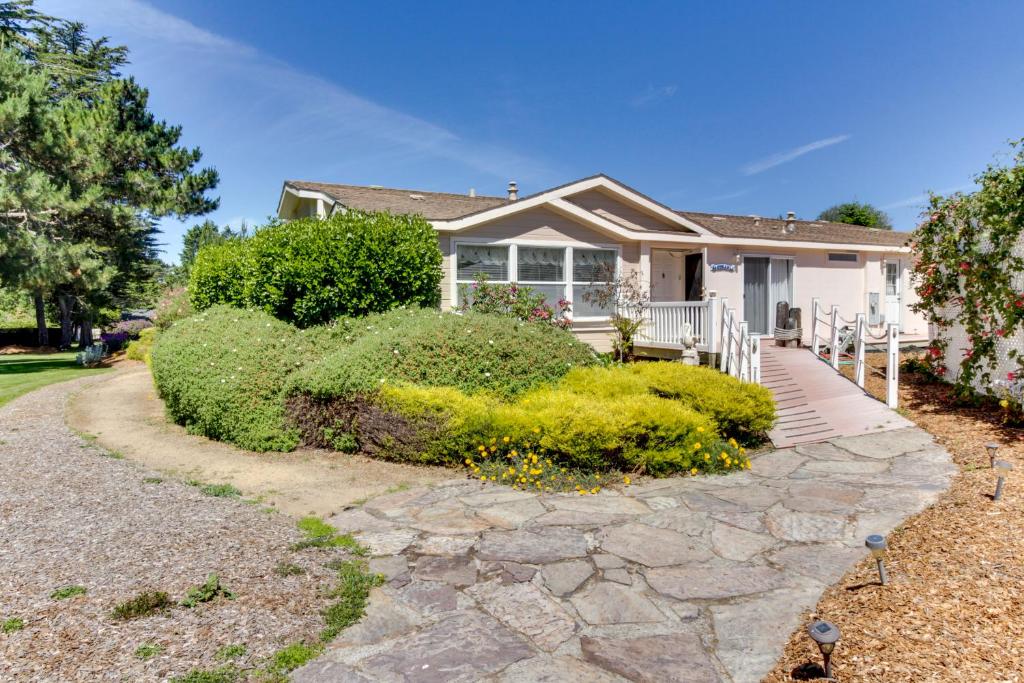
column 513, row 266
column 854, row 254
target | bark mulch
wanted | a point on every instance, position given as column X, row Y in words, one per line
column 954, row 608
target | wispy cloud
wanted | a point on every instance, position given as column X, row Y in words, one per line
column 920, row 200
column 289, row 108
column 654, row 94
column 762, row 165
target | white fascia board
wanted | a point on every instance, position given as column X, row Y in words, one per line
column 302, row 194
column 543, row 198
column 570, row 210
column 653, row 207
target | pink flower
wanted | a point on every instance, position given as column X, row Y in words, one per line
column 1011, row 376
column 965, row 266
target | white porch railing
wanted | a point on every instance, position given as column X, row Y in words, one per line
column 663, row 324
column 741, row 352
column 843, row 332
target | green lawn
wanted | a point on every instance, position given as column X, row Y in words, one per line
column 21, row 373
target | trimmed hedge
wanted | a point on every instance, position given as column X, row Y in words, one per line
column 742, row 410
column 220, row 374
column 311, row 271
column 471, row 351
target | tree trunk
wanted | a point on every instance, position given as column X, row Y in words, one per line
column 66, row 303
column 43, row 333
column 86, row 332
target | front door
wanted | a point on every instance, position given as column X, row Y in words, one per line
column 667, row 268
column 893, row 292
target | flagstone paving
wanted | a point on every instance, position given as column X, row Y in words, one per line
column 689, row 579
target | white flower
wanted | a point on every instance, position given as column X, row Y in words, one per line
column 491, row 342
column 487, row 374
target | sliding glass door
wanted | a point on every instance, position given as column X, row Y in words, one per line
column 766, row 282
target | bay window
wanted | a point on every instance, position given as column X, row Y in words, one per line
column 553, row 272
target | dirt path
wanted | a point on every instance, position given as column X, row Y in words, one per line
column 125, row 415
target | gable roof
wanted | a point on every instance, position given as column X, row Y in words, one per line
column 430, row 205
column 455, row 212
column 752, row 227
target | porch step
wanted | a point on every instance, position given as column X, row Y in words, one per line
column 815, row 403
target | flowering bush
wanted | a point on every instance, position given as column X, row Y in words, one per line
column 173, row 306
column 593, row 420
column 968, row 275
column 513, row 300
column 131, row 328
column 114, row 340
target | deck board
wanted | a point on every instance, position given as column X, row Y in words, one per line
column 815, row 403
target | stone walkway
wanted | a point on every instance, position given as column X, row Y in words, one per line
column 691, row 579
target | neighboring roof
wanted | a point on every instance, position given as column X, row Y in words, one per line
column 430, row 205
column 752, row 227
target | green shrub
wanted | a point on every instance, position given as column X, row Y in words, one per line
column 220, row 374
column 741, row 410
column 12, row 624
column 141, row 348
column 65, row 592
column 311, row 271
column 471, row 351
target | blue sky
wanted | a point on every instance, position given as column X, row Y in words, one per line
column 743, row 107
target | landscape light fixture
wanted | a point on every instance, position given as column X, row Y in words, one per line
column 992, row 448
column 826, row 635
column 1002, row 468
column 876, row 544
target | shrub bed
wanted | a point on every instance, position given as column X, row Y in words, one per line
column 311, row 271
column 220, row 374
column 592, row 420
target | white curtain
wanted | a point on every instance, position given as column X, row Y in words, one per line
column 541, row 264
column 781, row 286
column 474, row 261
column 590, row 264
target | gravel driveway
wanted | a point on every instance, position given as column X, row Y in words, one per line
column 72, row 515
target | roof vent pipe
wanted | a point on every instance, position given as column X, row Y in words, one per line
column 472, row 192
column 513, row 191
column 790, row 222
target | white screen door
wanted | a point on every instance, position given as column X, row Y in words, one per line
column 893, row 292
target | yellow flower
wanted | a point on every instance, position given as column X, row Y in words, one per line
column 696, row 446
column 493, row 448
column 742, row 451
column 536, row 430
column 1004, row 403
column 595, row 489
column 483, row 478
column 723, row 455
column 468, row 461
column 536, row 472
column 582, row 492
column 700, row 430
column 626, row 480
column 694, row 471
column 534, row 460
column 707, row 457
column 732, row 442
column 511, row 470
column 494, row 478
column 481, row 448
column 505, row 439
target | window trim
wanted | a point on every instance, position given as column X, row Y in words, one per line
column 513, row 245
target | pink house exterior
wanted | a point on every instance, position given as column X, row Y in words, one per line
column 694, row 264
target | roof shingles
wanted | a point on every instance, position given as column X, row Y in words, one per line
column 447, row 206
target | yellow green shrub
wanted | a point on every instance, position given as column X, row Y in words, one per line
column 141, row 348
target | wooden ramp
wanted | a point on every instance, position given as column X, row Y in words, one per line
column 816, row 403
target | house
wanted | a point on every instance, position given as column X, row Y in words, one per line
column 555, row 241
